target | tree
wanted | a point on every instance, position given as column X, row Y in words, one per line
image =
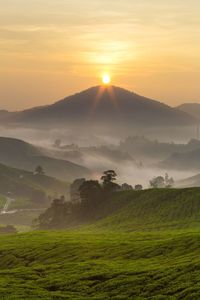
column 126, row 187
column 74, row 190
column 90, row 191
column 157, row 182
column 39, row 170
column 91, row 194
column 169, row 181
column 55, row 216
column 108, row 176
column 57, row 143
column 138, row 187
column 162, row 182
column 108, row 179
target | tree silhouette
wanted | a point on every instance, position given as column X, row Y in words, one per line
column 39, row 170
column 55, row 216
column 162, row 182
column 108, row 179
column 138, row 187
column 90, row 191
column 108, row 176
column 157, row 182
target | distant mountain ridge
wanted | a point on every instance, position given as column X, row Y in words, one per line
column 103, row 106
column 192, row 109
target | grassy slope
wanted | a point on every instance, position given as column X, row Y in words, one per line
column 100, row 266
column 24, row 186
column 23, row 183
column 154, row 210
column 12, row 177
column 113, row 263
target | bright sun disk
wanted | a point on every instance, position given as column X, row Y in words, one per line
column 106, row 79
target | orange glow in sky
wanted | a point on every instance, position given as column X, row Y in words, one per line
column 50, row 49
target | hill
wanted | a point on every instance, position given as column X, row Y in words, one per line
column 182, row 161
column 153, row 209
column 23, row 184
column 96, row 158
column 193, row 181
column 28, row 194
column 22, row 155
column 146, row 249
column 192, row 109
column 101, row 106
column 144, row 148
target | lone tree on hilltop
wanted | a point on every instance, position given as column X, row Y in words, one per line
column 39, row 170
column 108, row 183
column 108, row 176
column 108, row 179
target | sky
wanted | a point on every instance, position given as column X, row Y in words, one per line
column 50, row 49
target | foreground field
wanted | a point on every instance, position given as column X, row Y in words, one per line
column 83, row 265
column 140, row 245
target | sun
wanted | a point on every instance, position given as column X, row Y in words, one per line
column 106, row 79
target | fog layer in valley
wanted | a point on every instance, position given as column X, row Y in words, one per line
column 135, row 159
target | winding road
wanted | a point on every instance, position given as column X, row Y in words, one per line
column 5, row 209
column 6, row 206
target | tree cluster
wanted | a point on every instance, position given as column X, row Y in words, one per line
column 88, row 200
column 162, row 182
column 54, row 216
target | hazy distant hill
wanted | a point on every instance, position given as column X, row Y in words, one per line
column 191, row 108
column 4, row 113
column 182, row 161
column 103, row 106
column 193, row 181
column 22, row 155
column 95, row 158
column 145, row 148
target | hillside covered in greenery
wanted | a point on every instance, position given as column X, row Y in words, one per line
column 129, row 211
column 142, row 245
column 29, row 194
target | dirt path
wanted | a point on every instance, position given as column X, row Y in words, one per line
column 6, row 206
column 5, row 209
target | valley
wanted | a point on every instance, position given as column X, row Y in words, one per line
column 99, row 150
column 88, row 215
